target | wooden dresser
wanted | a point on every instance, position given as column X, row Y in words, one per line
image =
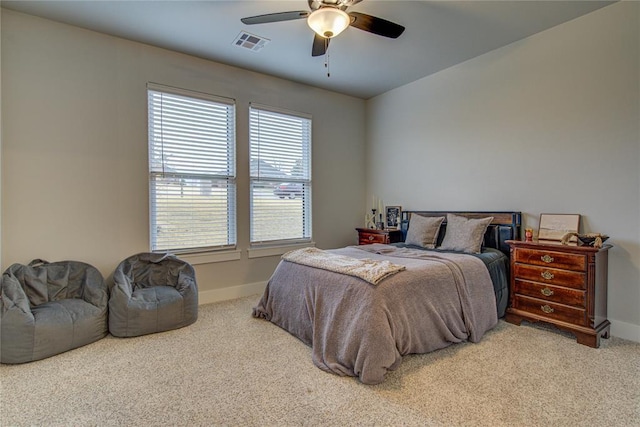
column 565, row 285
column 367, row 236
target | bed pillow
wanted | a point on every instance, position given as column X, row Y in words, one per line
column 423, row 231
column 464, row 234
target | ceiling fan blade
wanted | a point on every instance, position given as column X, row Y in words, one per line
column 275, row 17
column 320, row 45
column 374, row 25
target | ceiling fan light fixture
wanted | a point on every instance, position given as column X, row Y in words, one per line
column 328, row 22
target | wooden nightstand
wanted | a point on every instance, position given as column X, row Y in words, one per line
column 367, row 236
column 565, row 285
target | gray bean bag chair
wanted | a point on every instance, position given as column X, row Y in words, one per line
column 152, row 292
column 49, row 308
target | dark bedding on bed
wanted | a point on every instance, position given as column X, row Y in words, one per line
column 361, row 329
column 498, row 265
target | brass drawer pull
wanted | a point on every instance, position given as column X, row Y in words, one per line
column 547, row 275
column 546, row 292
column 546, row 308
column 546, row 258
column 371, row 238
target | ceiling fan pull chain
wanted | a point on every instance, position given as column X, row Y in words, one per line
column 326, row 62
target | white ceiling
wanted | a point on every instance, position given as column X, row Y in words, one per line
column 438, row 35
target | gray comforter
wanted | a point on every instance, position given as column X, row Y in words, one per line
column 358, row 329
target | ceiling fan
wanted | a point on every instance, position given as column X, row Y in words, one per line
column 328, row 18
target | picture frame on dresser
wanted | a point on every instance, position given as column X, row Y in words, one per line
column 392, row 216
column 552, row 227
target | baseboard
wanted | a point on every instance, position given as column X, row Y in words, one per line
column 619, row 329
column 627, row 331
column 232, row 292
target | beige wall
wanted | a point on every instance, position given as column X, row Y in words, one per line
column 1, row 134
column 75, row 148
column 548, row 124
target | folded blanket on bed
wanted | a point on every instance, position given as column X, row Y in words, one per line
column 366, row 269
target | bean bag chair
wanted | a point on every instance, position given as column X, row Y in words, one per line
column 49, row 308
column 152, row 292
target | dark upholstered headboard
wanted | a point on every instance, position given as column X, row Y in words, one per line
column 505, row 226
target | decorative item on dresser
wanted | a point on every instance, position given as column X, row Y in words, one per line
column 367, row 236
column 565, row 285
column 555, row 226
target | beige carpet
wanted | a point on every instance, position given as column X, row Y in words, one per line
column 231, row 369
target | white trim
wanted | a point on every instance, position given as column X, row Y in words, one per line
column 232, row 292
column 157, row 87
column 211, row 257
column 276, row 250
column 279, row 110
column 627, row 331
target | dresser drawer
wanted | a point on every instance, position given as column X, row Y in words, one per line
column 551, row 259
column 568, row 296
column 367, row 238
column 553, row 276
column 551, row 310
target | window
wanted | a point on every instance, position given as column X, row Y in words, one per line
column 192, row 173
column 280, row 150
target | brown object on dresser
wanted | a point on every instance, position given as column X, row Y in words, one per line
column 367, row 236
column 565, row 285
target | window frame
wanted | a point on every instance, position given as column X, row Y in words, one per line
column 230, row 177
column 258, row 246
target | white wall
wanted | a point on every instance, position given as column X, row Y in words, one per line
column 0, row 135
column 545, row 125
column 75, row 149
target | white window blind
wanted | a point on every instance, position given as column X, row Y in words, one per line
column 192, row 177
column 280, row 150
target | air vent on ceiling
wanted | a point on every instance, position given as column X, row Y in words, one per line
column 250, row 41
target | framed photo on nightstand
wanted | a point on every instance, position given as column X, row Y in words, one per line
column 555, row 226
column 392, row 215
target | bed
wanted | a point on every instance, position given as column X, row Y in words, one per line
column 362, row 308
